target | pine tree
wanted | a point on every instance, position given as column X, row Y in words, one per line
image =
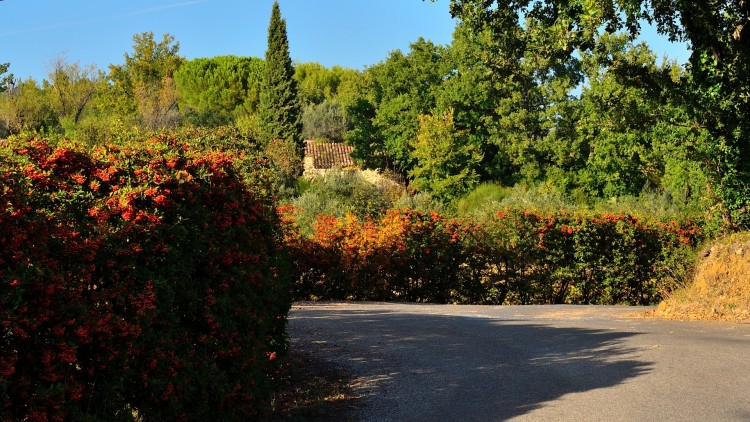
column 280, row 114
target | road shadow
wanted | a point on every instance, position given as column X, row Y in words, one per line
column 433, row 367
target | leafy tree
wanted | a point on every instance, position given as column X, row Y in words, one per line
column 511, row 96
column 530, row 81
column 317, row 83
column 393, row 95
column 719, row 34
column 471, row 92
column 445, row 162
column 70, row 89
column 145, row 82
column 280, row 114
column 325, row 121
column 216, row 90
column 367, row 140
column 624, row 112
column 23, row 107
column 718, row 90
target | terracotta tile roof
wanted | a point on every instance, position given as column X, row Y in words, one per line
column 329, row 155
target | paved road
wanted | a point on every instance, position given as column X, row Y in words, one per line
column 414, row 362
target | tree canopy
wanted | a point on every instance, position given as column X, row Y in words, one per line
column 717, row 89
column 72, row 88
column 146, row 79
column 216, row 90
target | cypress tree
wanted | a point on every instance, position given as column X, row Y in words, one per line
column 280, row 113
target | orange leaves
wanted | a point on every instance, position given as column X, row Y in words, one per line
column 375, row 259
column 327, row 230
column 513, row 257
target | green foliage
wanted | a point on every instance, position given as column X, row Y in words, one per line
column 110, row 115
column 316, row 83
column 348, row 89
column 70, row 91
column 249, row 124
column 420, row 201
column 658, row 205
column 324, row 122
column 541, row 198
column 718, row 92
column 23, row 108
column 145, row 82
column 149, row 62
column 280, row 115
column 445, row 162
column 715, row 95
column 7, row 79
column 338, row 193
column 214, row 91
column 471, row 92
column 365, row 136
column 486, row 196
column 614, row 150
column 523, row 104
column 393, row 94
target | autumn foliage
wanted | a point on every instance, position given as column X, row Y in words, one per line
column 515, row 257
column 138, row 280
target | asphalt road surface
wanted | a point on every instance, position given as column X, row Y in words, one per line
column 416, row 362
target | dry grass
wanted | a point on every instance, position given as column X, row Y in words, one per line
column 720, row 290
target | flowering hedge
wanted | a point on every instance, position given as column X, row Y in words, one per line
column 513, row 258
column 140, row 279
column 407, row 255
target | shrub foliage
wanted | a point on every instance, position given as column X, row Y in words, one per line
column 514, row 257
column 136, row 280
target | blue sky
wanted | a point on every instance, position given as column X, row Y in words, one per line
column 351, row 33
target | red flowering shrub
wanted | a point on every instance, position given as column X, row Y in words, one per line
column 407, row 255
column 423, row 256
column 564, row 258
column 140, row 278
column 515, row 257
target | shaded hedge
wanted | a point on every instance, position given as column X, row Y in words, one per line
column 515, row 257
column 137, row 280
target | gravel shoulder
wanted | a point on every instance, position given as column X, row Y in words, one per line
column 451, row 362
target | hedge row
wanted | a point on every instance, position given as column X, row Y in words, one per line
column 136, row 281
column 513, row 258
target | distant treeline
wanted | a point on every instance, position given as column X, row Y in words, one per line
column 518, row 98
